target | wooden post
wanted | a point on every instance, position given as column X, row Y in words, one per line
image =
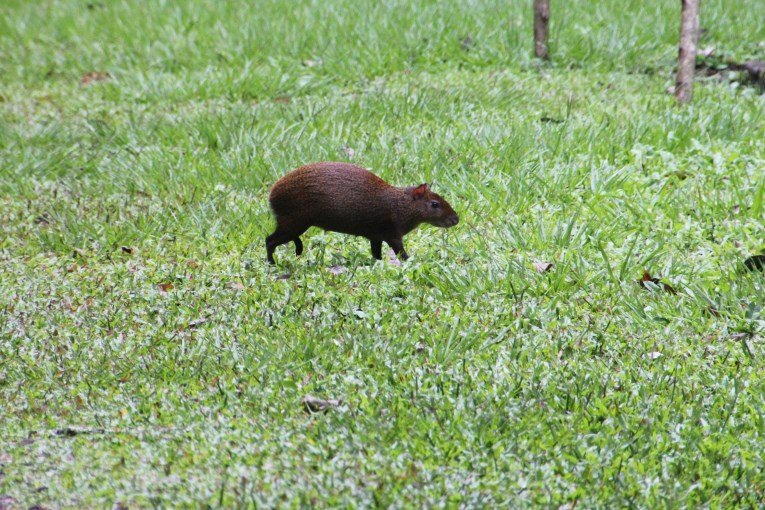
column 686, row 61
column 541, row 16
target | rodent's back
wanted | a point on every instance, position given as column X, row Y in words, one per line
column 331, row 193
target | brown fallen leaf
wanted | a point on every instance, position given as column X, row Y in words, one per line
column 127, row 249
column 755, row 262
column 283, row 99
column 337, row 270
column 79, row 252
column 235, row 285
column 647, row 278
column 93, row 76
column 542, row 267
column 166, row 287
column 317, row 405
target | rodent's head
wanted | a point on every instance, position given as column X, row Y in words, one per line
column 432, row 208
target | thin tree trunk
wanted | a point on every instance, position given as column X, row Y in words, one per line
column 686, row 61
column 541, row 16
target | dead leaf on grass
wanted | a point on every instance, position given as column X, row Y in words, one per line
column 166, row 287
column 643, row 282
column 197, row 323
column 317, row 405
column 542, row 267
column 235, row 285
column 93, row 76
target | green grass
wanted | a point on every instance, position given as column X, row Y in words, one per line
column 468, row 378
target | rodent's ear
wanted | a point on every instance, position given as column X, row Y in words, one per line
column 420, row 190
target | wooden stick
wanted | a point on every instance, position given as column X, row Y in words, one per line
column 686, row 61
column 541, row 16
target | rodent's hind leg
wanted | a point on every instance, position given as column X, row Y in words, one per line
column 296, row 233
column 376, row 249
column 284, row 233
column 398, row 247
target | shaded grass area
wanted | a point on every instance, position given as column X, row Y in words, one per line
column 173, row 374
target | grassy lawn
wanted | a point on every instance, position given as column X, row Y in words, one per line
column 149, row 355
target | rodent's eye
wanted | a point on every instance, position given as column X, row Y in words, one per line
column 434, row 204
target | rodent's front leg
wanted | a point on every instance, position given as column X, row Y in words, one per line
column 398, row 248
column 376, row 249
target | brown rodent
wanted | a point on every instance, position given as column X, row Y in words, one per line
column 346, row 198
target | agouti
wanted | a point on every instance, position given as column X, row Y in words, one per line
column 346, row 198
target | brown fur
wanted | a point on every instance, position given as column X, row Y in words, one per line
column 346, row 198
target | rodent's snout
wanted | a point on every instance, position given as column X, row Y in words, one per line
column 450, row 221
